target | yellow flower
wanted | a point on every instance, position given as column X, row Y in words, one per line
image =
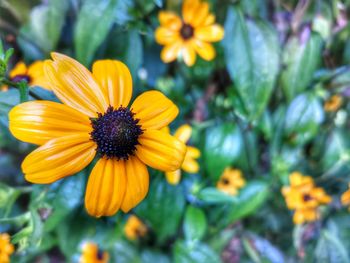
column 191, row 34
column 333, row 103
column 95, row 118
column 304, row 197
column 189, row 165
column 91, row 254
column 230, row 181
column 6, row 248
column 345, row 198
column 34, row 74
column 134, row 228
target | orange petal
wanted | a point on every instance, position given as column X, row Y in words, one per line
column 19, row 69
column 183, row 133
column 106, row 187
column 170, row 52
column 40, row 121
column 205, row 50
column 165, row 36
column 59, row 158
column 74, row 85
column 170, row 20
column 212, row 33
column 37, row 75
column 201, row 14
column 137, row 183
column 189, row 9
column 173, row 177
column 115, row 79
column 154, row 110
column 160, row 150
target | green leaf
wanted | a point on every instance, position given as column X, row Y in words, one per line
column 223, row 145
column 44, row 27
column 195, row 224
column 301, row 57
column 8, row 100
column 95, row 20
column 252, row 57
column 194, row 253
column 163, row 208
column 303, row 118
column 212, row 195
column 151, row 256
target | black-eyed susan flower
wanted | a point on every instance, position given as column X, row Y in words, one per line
column 231, row 181
column 345, row 198
column 189, row 165
column 6, row 248
column 333, row 103
column 190, row 35
column 33, row 74
column 304, row 197
column 92, row 254
column 134, row 228
column 95, row 118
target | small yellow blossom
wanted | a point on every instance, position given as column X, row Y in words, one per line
column 333, row 103
column 230, row 181
column 92, row 254
column 304, row 197
column 6, row 248
column 134, row 228
column 345, row 198
column 189, row 165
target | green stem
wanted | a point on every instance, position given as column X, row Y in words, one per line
column 19, row 86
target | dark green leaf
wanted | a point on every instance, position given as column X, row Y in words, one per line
column 195, row 224
column 212, row 195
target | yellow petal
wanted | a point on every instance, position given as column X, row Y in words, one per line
column 38, row 122
column 37, row 75
column 106, row 187
column 183, row 133
column 173, row 177
column 59, row 158
column 189, row 9
column 188, row 54
column 212, row 33
column 19, row 69
column 170, row 20
column 170, row 52
column 115, row 80
column 74, row 85
column 160, row 150
column 165, row 36
column 204, row 50
column 209, row 20
column 154, row 110
column 190, row 166
column 193, row 152
column 201, row 14
column 137, row 183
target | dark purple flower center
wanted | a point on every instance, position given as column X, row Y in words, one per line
column 116, row 133
column 21, row 77
column 307, row 197
column 186, row 31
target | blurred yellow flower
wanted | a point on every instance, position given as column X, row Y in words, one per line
column 134, row 228
column 333, row 103
column 189, row 165
column 191, row 34
column 92, row 254
column 95, row 118
column 345, row 198
column 33, row 74
column 6, row 248
column 230, row 181
column 304, row 197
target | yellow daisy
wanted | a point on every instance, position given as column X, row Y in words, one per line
column 190, row 165
column 134, row 228
column 33, row 74
column 95, row 118
column 190, row 35
column 304, row 197
column 333, row 103
column 230, row 181
column 92, row 254
column 6, row 248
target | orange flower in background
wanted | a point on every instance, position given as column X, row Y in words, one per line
column 333, row 103
column 231, row 181
column 95, row 118
column 190, row 35
column 33, row 74
column 190, row 165
column 134, row 228
column 92, row 254
column 6, row 248
column 345, row 198
column 304, row 197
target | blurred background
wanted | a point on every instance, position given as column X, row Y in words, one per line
column 273, row 101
